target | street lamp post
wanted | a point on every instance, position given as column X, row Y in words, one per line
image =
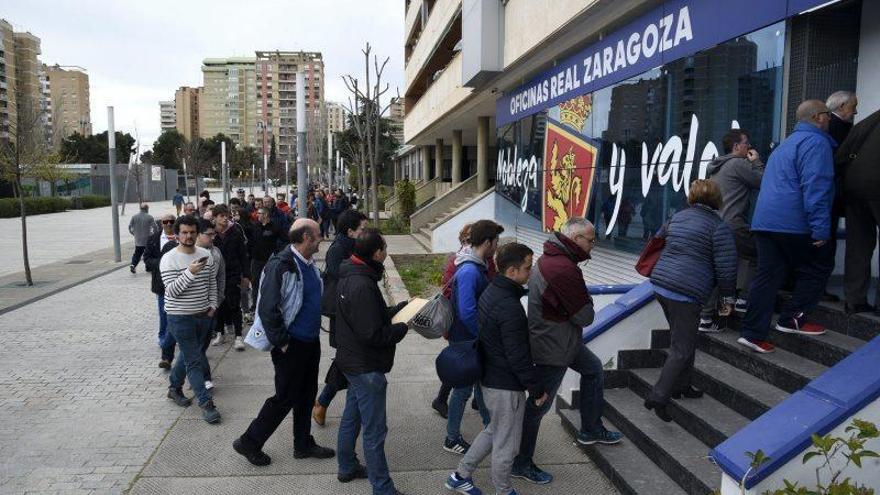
column 111, row 145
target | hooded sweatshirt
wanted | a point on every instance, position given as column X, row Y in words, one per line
column 468, row 284
column 737, row 177
column 559, row 304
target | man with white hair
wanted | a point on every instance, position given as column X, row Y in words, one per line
column 559, row 308
column 843, row 107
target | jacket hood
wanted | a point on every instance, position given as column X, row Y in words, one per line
column 354, row 267
column 467, row 254
column 560, row 245
column 716, row 164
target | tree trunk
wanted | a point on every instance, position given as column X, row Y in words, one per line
column 24, row 244
column 374, row 196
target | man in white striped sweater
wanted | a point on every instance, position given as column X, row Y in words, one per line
column 189, row 275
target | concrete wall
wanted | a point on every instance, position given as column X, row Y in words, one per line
column 795, row 470
column 528, row 23
column 439, row 21
column 444, row 238
column 443, row 95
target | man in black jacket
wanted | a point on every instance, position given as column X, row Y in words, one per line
column 160, row 243
column 233, row 245
column 366, row 341
column 266, row 238
column 508, row 370
column 348, row 227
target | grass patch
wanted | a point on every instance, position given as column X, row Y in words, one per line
column 393, row 226
column 421, row 273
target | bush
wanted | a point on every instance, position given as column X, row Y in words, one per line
column 93, row 201
column 406, row 198
column 33, row 206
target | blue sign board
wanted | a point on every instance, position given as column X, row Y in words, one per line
column 676, row 29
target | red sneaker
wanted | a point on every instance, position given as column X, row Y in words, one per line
column 797, row 324
column 761, row 346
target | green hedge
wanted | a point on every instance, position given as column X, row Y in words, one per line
column 33, row 206
column 94, row 201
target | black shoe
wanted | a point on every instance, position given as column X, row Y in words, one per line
column 859, row 308
column 177, row 396
column 359, row 473
column 659, row 410
column 131, row 268
column 210, row 413
column 688, row 393
column 441, row 407
column 165, row 364
column 315, row 451
column 257, row 458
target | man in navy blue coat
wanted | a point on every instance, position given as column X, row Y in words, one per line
column 792, row 226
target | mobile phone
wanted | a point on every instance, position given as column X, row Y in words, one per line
column 203, row 260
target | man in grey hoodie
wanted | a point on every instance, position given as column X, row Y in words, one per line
column 141, row 226
column 738, row 174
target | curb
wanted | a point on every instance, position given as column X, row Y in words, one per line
column 393, row 284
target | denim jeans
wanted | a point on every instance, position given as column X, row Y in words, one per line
column 189, row 331
column 327, row 394
column 457, row 404
column 166, row 340
column 365, row 407
column 592, row 401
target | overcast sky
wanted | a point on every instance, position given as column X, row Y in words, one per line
column 138, row 52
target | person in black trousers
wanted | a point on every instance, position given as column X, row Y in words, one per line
column 296, row 350
column 349, row 226
column 266, row 239
column 233, row 244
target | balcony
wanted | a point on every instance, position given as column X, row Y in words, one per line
column 442, row 16
column 444, row 94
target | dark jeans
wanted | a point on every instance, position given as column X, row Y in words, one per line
column 365, row 409
column 862, row 219
column 592, row 401
column 683, row 318
column 230, row 311
column 296, row 384
column 333, row 383
column 457, row 404
column 778, row 254
column 189, row 331
column 443, row 393
column 138, row 253
column 325, row 227
column 166, row 340
column 256, row 271
column 205, row 346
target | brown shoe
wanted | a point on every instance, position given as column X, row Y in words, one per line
column 319, row 414
column 165, row 364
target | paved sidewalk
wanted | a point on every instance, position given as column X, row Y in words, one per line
column 83, row 411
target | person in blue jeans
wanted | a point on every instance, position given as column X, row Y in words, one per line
column 559, row 308
column 366, row 342
column 468, row 283
column 160, row 243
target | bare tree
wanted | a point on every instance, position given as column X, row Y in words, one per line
column 23, row 155
column 367, row 111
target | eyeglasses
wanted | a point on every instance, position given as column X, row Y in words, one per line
column 167, row 222
column 211, row 234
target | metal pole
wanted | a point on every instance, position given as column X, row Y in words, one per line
column 329, row 157
column 111, row 145
column 253, row 172
column 286, row 180
column 223, row 171
column 301, row 144
column 338, row 169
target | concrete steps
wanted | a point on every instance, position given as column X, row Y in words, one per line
column 739, row 386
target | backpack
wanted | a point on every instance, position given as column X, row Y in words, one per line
column 459, row 364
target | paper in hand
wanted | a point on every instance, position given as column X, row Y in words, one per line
column 409, row 311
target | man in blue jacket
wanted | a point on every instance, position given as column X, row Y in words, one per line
column 792, row 225
column 468, row 284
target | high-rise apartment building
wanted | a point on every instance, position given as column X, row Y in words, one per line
column 276, row 86
column 69, row 90
column 228, row 101
column 186, row 105
column 396, row 114
column 167, row 116
column 27, row 70
column 7, row 78
column 336, row 117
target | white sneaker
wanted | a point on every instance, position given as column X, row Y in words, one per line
column 239, row 344
column 209, row 384
column 741, row 306
column 220, row 339
column 709, row 326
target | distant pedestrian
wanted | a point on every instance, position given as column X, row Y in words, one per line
column 233, row 245
column 860, row 154
column 560, row 307
column 141, row 226
column 206, row 241
column 160, row 243
column 177, row 201
column 700, row 254
column 508, row 371
column 189, row 208
column 266, row 239
column 348, row 228
column 367, row 342
column 738, row 175
column 792, row 226
column 289, row 312
column 468, row 284
column 188, row 273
